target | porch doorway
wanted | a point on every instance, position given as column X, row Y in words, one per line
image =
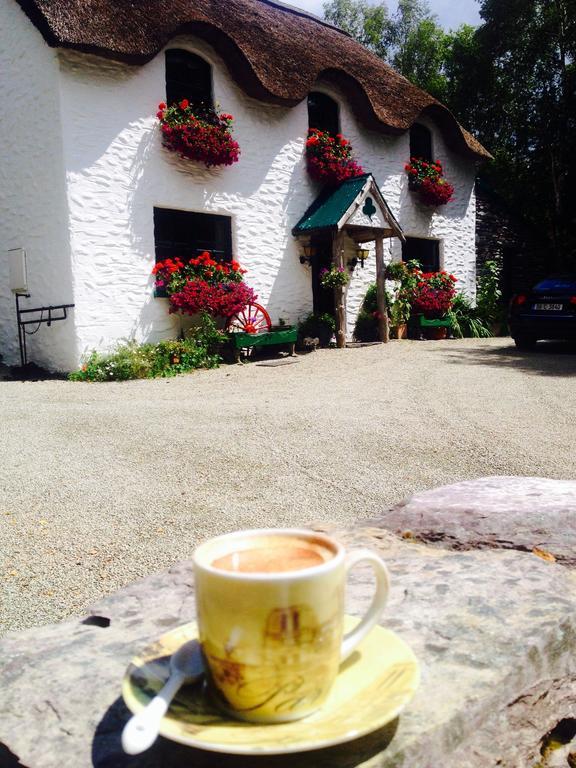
column 355, row 209
column 322, row 298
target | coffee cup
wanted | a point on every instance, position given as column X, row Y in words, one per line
column 270, row 609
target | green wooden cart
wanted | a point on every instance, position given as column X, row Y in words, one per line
column 252, row 327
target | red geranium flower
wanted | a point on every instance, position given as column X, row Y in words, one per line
column 329, row 159
column 203, row 284
column 427, row 179
column 201, row 135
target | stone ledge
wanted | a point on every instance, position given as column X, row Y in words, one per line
column 493, row 512
column 495, row 631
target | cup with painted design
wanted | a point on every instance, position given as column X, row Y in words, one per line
column 270, row 610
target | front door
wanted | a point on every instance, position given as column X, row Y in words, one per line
column 323, row 298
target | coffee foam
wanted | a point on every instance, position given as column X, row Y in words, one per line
column 269, row 554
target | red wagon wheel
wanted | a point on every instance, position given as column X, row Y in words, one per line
column 252, row 319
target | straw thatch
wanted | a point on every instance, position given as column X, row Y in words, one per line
column 274, row 53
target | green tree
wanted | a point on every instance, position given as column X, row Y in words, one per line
column 466, row 72
column 369, row 24
column 422, row 57
column 526, row 89
column 411, row 41
column 408, row 17
column 512, row 82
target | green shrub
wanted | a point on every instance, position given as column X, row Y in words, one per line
column 317, row 326
column 207, row 335
column 489, row 295
column 366, row 327
column 467, row 321
column 369, row 302
column 167, row 358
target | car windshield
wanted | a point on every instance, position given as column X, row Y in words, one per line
column 557, row 283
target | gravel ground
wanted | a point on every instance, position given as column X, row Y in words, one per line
column 101, row 484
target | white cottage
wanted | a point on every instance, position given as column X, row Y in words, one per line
column 92, row 196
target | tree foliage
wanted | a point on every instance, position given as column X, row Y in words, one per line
column 511, row 82
column 410, row 40
column 527, row 50
column 369, row 24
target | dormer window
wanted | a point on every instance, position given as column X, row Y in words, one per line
column 323, row 113
column 420, row 142
column 188, row 77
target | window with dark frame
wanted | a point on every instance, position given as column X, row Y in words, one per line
column 188, row 77
column 420, row 142
column 323, row 113
column 187, row 234
column 425, row 252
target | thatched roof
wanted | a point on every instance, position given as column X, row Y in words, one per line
column 275, row 53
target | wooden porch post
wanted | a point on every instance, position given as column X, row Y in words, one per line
column 339, row 293
column 383, row 329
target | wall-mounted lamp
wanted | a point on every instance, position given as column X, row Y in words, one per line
column 309, row 252
column 362, row 254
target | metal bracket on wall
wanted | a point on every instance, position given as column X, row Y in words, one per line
column 49, row 318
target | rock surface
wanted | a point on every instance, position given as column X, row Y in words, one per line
column 498, row 512
column 495, row 631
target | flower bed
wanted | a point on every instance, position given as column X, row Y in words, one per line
column 329, row 158
column 131, row 360
column 203, row 285
column 203, row 135
column 427, row 178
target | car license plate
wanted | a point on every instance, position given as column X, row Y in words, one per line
column 548, row 307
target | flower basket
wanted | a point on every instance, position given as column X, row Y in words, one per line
column 199, row 134
column 427, row 179
column 335, row 277
column 329, row 158
column 433, row 294
column 204, row 285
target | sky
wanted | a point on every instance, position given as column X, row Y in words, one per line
column 450, row 13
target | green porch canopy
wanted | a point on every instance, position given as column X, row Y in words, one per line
column 356, row 204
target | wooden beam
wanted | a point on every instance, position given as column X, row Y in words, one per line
column 339, row 293
column 383, row 329
column 367, row 235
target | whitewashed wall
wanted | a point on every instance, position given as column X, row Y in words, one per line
column 33, row 212
column 117, row 171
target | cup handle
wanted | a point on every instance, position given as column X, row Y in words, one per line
column 353, row 638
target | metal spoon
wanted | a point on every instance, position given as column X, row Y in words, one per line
column 141, row 731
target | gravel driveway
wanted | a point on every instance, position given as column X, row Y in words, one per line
column 101, row 484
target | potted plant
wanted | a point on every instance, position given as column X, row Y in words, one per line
column 399, row 316
column 432, row 298
column 329, row 158
column 335, row 277
column 198, row 133
column 427, row 179
column 400, row 308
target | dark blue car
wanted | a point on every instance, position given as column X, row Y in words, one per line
column 548, row 311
